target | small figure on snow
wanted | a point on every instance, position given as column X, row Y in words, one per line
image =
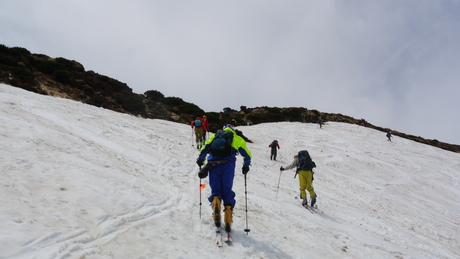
column 205, row 126
column 221, row 150
column 196, row 125
column 389, row 136
column 304, row 167
column 273, row 151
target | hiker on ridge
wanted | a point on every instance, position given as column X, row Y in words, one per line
column 221, row 150
column 196, row 125
column 389, row 136
column 273, row 151
column 304, row 167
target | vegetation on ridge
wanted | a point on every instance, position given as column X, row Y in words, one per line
column 69, row 79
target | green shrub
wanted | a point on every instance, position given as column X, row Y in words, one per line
column 133, row 104
column 190, row 108
column 88, row 90
column 4, row 49
column 70, row 65
column 18, row 51
column 266, row 117
column 294, row 112
column 272, row 109
column 130, row 102
column 23, row 74
column 154, row 95
column 7, row 60
column 212, row 116
column 49, row 66
column 173, row 101
column 64, row 77
column 316, row 112
column 103, row 78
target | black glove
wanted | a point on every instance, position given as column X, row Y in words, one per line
column 281, row 169
column 245, row 169
column 199, row 162
column 203, row 172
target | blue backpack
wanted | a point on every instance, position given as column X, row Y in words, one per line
column 221, row 145
column 305, row 160
column 197, row 123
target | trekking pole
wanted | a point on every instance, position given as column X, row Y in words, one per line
column 192, row 137
column 246, row 198
column 201, row 187
column 277, row 188
column 200, row 198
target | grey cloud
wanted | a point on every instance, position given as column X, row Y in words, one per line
column 394, row 63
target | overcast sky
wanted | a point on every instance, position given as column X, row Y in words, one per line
column 394, row 63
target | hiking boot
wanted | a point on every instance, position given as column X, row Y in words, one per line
column 313, row 200
column 305, row 201
column 228, row 217
column 216, row 210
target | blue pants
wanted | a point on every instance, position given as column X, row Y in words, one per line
column 221, row 182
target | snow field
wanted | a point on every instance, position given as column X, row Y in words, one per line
column 79, row 181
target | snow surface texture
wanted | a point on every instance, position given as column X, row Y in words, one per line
column 79, row 181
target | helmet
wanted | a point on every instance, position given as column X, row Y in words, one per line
column 198, row 118
column 227, row 125
column 204, row 116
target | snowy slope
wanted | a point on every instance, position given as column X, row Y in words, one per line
column 79, row 181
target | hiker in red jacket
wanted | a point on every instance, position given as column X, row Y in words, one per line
column 205, row 126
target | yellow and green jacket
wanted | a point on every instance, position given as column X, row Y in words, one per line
column 238, row 146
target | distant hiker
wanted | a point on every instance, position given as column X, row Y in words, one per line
column 234, row 122
column 304, row 167
column 389, row 136
column 320, row 122
column 221, row 150
column 273, row 147
column 205, row 126
column 197, row 126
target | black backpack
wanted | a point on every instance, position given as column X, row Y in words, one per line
column 221, row 145
column 305, row 160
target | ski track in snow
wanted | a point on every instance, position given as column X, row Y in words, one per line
column 79, row 181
